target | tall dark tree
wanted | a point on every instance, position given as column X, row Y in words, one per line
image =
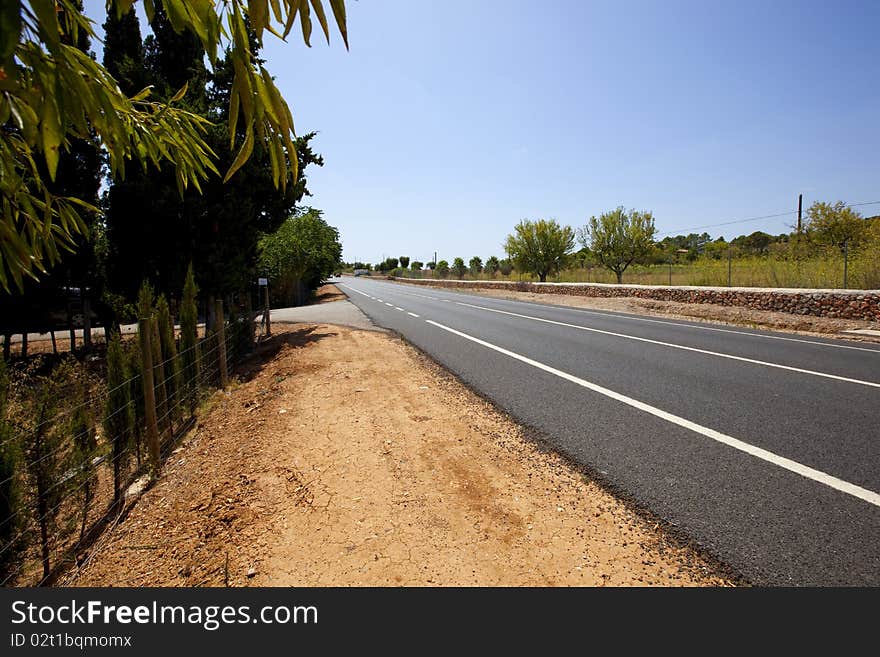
column 154, row 232
column 148, row 220
column 175, row 59
column 124, row 52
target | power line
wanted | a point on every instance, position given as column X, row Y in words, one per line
column 682, row 231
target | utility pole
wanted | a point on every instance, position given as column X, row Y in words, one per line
column 800, row 207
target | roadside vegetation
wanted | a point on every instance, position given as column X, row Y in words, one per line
column 836, row 248
column 154, row 187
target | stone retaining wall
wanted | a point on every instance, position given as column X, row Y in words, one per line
column 843, row 304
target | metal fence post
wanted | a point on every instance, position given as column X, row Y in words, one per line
column 266, row 317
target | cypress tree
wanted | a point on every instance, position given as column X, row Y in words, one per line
column 10, row 494
column 145, row 301
column 124, row 51
column 189, row 337
column 162, row 416
column 169, row 351
column 85, row 479
column 119, row 413
column 44, row 459
column 133, row 363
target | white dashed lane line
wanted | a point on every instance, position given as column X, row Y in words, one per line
column 403, row 310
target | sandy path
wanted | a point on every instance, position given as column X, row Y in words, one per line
column 348, row 459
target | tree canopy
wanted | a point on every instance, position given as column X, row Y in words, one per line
column 619, row 238
column 458, row 267
column 300, row 255
column 540, row 247
column 51, row 93
column 835, row 224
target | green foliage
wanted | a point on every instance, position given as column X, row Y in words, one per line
column 540, row 247
column 836, row 225
column 168, row 345
column 119, row 413
column 458, row 269
column 153, row 231
column 619, row 238
column 756, row 243
column 83, row 475
column 124, row 51
column 10, row 492
column 505, row 266
column 300, row 255
column 53, row 92
column 47, row 451
column 241, row 330
column 189, row 337
column 475, row 266
column 492, row 266
column 404, row 261
column 432, row 265
column 416, row 265
column 442, row 269
column 159, row 382
column 146, row 301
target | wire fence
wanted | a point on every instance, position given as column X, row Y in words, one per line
column 71, row 479
column 857, row 268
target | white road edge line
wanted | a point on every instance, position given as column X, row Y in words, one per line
column 354, row 290
column 634, row 318
column 630, row 317
column 412, row 314
column 388, row 304
column 787, row 464
column 399, row 308
column 678, row 346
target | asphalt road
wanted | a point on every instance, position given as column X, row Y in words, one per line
column 762, row 447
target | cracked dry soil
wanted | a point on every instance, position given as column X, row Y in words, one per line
column 345, row 458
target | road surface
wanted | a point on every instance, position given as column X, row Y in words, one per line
column 762, row 447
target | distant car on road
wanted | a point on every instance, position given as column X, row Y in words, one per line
column 361, row 272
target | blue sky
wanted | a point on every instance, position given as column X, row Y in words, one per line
column 448, row 122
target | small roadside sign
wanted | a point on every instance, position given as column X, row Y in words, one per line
column 263, row 281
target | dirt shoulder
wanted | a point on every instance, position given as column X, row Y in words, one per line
column 327, row 293
column 345, row 458
column 828, row 327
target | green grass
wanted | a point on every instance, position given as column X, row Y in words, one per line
column 826, row 272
